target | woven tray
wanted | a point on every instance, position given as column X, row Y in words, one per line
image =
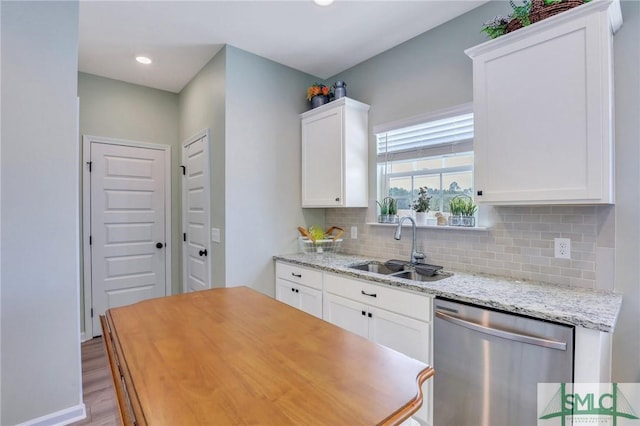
column 540, row 11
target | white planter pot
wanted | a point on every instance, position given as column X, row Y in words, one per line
column 421, row 218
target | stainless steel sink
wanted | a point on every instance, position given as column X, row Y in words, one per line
column 379, row 268
column 399, row 269
column 415, row 276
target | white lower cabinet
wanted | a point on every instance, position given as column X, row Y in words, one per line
column 404, row 334
column 395, row 331
column 346, row 313
column 299, row 296
column 391, row 317
column 299, row 287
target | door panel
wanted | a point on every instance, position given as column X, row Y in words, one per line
column 195, row 213
column 404, row 334
column 345, row 313
column 285, row 293
column 310, row 300
column 322, row 160
column 127, row 222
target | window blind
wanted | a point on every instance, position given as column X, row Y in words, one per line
column 448, row 135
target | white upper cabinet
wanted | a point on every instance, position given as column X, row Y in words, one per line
column 543, row 106
column 335, row 155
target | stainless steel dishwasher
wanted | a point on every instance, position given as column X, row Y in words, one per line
column 488, row 364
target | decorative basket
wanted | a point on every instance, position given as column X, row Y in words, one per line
column 319, row 246
column 540, row 11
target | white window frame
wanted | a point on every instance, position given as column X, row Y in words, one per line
column 437, row 149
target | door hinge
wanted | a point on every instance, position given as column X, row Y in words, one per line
column 89, row 163
column 91, row 312
column 184, row 170
column 90, row 240
column 184, row 236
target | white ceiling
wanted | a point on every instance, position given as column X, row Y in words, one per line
column 182, row 36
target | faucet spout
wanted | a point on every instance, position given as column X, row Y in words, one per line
column 415, row 254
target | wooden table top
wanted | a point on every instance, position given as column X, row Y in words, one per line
column 236, row 356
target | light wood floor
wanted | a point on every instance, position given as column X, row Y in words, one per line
column 97, row 388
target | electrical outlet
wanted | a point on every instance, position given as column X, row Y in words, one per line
column 562, row 248
column 354, row 232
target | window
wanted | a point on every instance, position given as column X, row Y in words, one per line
column 433, row 150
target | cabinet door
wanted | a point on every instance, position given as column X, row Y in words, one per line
column 310, row 300
column 322, row 159
column 410, row 337
column 285, row 292
column 404, row 334
column 346, row 313
column 543, row 122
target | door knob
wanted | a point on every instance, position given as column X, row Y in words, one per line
column 159, row 245
column 203, row 252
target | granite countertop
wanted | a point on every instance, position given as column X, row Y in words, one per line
column 591, row 309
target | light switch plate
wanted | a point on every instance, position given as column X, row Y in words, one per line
column 215, row 235
column 354, row 232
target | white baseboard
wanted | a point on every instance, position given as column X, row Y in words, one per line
column 59, row 418
column 83, row 337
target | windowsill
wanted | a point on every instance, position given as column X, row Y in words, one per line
column 455, row 228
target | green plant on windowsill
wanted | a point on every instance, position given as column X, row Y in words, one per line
column 421, row 204
column 463, row 210
column 393, row 206
column 388, row 210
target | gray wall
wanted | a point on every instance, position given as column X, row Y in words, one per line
column 431, row 72
column 251, row 105
column 119, row 110
column 40, row 221
column 626, row 339
column 202, row 106
column 263, row 187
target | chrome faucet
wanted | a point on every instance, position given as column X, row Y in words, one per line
column 415, row 255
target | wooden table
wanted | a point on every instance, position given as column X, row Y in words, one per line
column 236, row 356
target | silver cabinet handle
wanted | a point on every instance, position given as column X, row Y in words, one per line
column 523, row 338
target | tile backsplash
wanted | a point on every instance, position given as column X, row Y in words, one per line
column 518, row 243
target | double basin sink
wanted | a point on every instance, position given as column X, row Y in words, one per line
column 401, row 269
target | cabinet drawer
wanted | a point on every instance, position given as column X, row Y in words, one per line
column 395, row 300
column 299, row 274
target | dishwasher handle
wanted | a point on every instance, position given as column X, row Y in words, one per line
column 518, row 337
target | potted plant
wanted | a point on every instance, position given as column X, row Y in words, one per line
column 388, row 210
column 383, row 217
column 463, row 210
column 393, row 210
column 421, row 205
column 318, row 94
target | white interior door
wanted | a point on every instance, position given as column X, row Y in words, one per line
column 128, row 240
column 195, row 213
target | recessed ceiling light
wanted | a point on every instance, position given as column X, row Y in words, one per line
column 143, row 60
column 323, row 2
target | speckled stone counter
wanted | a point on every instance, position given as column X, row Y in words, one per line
column 580, row 307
